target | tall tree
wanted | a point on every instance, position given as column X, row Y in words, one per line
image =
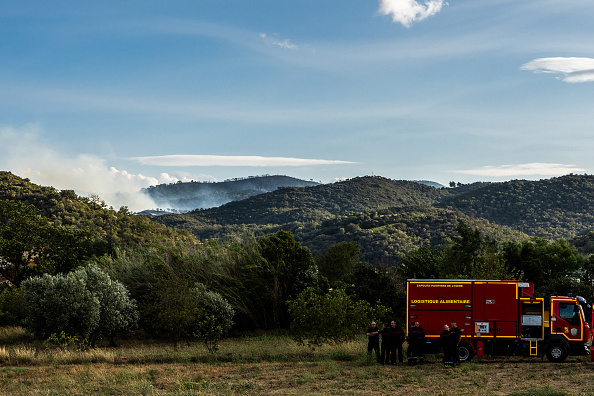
column 287, row 269
column 339, row 261
column 552, row 266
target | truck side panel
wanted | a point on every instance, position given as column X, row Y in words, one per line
column 434, row 304
column 495, row 301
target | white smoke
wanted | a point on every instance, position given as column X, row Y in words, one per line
column 25, row 154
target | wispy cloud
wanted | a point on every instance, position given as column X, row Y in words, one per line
column 572, row 70
column 283, row 43
column 530, row 169
column 222, row 160
column 407, row 12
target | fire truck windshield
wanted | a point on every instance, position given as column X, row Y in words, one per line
column 572, row 313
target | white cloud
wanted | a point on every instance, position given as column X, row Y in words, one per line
column 24, row 153
column 573, row 70
column 286, row 43
column 407, row 12
column 221, row 160
column 530, row 169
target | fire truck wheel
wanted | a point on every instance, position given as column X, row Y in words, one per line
column 557, row 352
column 466, row 352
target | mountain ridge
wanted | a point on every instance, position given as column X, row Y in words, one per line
column 187, row 196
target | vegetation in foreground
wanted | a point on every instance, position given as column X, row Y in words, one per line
column 270, row 365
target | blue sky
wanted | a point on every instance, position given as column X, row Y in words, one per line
column 109, row 97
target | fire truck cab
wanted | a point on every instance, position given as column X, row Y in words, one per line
column 498, row 317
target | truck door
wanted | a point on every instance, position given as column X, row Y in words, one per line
column 566, row 319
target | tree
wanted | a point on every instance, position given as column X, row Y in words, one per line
column 331, row 318
column 31, row 245
column 215, row 318
column 339, row 261
column 476, row 257
column 373, row 284
column 13, row 308
column 552, row 266
column 423, row 263
column 85, row 302
column 172, row 312
column 288, row 268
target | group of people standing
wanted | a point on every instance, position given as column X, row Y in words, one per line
column 393, row 337
column 450, row 343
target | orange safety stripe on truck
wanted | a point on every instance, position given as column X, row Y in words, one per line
column 562, row 333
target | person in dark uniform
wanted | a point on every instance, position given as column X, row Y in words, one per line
column 416, row 343
column 445, row 339
column 456, row 337
column 386, row 333
column 373, row 341
column 398, row 338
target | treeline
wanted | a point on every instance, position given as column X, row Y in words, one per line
column 183, row 291
column 555, row 267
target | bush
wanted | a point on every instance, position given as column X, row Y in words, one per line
column 329, row 318
column 215, row 319
column 85, row 303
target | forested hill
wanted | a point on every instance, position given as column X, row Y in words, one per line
column 317, row 203
column 387, row 235
column 561, row 207
column 104, row 227
column 319, row 216
column 195, row 195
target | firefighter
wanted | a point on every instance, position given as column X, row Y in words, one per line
column 456, row 337
column 397, row 341
column 386, row 333
column 373, row 341
column 416, row 342
column 445, row 339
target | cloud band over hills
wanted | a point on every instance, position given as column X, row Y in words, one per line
column 516, row 170
column 222, row 160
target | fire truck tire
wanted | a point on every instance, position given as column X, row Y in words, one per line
column 557, row 352
column 466, row 352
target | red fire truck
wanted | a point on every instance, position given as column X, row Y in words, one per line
column 498, row 317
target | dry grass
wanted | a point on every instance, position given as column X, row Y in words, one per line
column 274, row 365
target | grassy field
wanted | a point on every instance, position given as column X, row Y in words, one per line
column 271, row 365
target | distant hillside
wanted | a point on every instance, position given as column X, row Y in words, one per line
column 202, row 195
column 287, row 205
column 319, row 216
column 383, row 235
column 386, row 235
column 561, row 207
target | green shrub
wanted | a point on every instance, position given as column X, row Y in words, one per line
column 85, row 303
